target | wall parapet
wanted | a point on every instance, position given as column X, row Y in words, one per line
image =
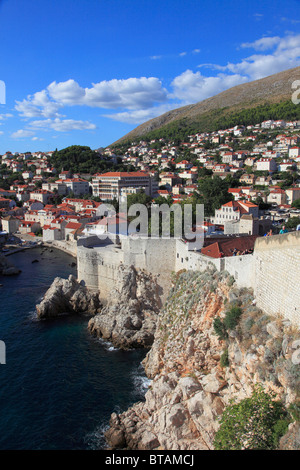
column 272, row 271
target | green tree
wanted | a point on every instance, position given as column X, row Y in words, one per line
column 213, row 194
column 296, row 204
column 292, row 222
column 255, row 423
column 138, row 198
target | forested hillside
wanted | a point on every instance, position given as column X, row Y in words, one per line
column 222, row 118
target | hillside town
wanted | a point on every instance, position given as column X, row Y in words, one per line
column 260, row 164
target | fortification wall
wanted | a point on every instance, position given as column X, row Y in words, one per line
column 154, row 255
column 241, row 268
column 192, row 260
column 272, row 271
column 277, row 274
column 97, row 264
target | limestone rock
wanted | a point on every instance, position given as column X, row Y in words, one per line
column 296, row 357
column 129, row 318
column 274, row 330
column 291, row 440
column 68, row 296
column 296, row 344
column 189, row 388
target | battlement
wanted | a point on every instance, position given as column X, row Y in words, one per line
column 272, row 271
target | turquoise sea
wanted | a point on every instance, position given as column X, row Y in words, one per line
column 59, row 385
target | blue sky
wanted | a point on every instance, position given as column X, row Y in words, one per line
column 86, row 72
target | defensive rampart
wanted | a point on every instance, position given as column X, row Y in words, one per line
column 277, row 275
column 272, row 271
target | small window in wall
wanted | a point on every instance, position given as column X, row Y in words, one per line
column 182, row 260
column 177, row 255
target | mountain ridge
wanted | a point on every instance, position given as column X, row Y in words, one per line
column 272, row 89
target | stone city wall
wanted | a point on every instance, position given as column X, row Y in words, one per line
column 272, row 271
column 277, row 274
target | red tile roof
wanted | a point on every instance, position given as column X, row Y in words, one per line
column 225, row 248
column 73, row 225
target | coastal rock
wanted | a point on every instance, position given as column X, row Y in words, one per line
column 7, row 268
column 190, row 386
column 68, row 296
column 129, row 318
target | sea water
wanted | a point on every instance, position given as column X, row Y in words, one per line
column 59, row 385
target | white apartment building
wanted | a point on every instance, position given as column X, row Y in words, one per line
column 266, row 164
column 112, row 185
column 294, row 152
column 233, row 210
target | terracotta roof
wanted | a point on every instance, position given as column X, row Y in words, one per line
column 73, row 225
column 124, row 174
column 226, row 247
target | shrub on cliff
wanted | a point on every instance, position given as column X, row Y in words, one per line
column 230, row 322
column 232, row 318
column 219, row 328
column 255, row 423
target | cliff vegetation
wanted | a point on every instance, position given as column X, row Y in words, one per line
column 219, row 367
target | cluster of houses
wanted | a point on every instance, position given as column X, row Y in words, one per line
column 161, row 169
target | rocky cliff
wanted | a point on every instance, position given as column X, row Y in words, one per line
column 68, row 296
column 197, row 368
column 129, row 318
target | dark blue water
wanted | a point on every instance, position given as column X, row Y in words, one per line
column 59, row 385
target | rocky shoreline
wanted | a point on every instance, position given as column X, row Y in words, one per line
column 129, row 318
column 195, row 374
column 68, row 296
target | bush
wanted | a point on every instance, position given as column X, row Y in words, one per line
column 230, row 321
column 255, row 423
column 232, row 318
column 219, row 328
column 224, row 359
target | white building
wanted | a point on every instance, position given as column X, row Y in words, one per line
column 294, row 152
column 266, row 164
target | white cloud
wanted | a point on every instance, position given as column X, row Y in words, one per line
column 1, row 132
column 136, row 100
column 3, row 117
column 190, row 87
column 262, row 44
column 38, row 105
column 21, row 134
column 62, row 125
column 132, row 93
column 290, row 20
column 67, row 93
column 285, row 56
column 141, row 115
